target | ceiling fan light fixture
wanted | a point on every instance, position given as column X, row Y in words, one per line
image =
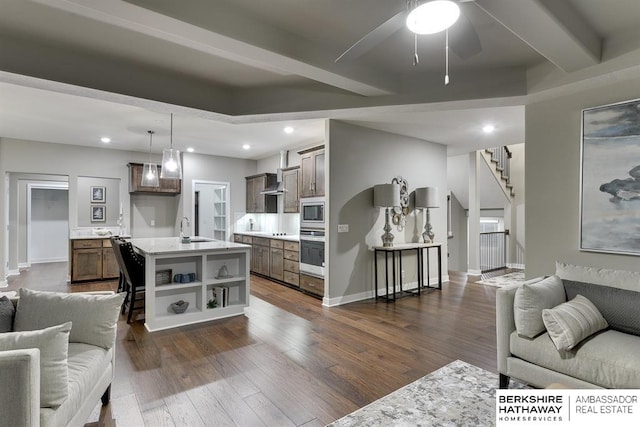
column 433, row 16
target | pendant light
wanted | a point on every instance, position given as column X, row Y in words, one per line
column 171, row 167
column 432, row 16
column 150, row 170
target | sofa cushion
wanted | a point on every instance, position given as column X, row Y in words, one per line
column 87, row 363
column 629, row 280
column 608, row 359
column 7, row 312
column 94, row 317
column 531, row 299
column 571, row 322
column 618, row 306
column 53, row 344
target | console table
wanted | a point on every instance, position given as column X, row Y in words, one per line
column 419, row 249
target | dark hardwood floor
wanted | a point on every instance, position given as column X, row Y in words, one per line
column 289, row 361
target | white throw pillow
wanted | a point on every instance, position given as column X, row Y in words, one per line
column 531, row 299
column 573, row 321
column 94, row 317
column 53, row 344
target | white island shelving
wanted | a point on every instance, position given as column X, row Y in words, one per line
column 205, row 258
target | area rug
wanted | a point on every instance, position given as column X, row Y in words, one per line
column 458, row 394
column 504, row 280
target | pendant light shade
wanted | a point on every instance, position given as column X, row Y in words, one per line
column 433, row 16
column 171, row 164
column 150, row 170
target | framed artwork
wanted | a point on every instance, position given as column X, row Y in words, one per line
column 98, row 213
column 98, row 194
column 610, row 179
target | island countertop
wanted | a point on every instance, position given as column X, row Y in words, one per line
column 173, row 245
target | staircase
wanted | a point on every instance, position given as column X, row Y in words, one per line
column 498, row 161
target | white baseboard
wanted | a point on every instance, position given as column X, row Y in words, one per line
column 518, row 266
column 48, row 260
column 24, row 265
column 13, row 273
column 333, row 302
column 474, row 272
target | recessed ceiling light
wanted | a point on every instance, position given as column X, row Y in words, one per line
column 246, row 146
column 105, row 139
column 288, row 129
column 190, row 150
column 488, row 128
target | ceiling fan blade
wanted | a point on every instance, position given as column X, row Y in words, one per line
column 463, row 38
column 375, row 36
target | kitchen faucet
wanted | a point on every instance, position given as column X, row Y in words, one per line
column 183, row 238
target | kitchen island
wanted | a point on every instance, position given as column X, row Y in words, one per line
column 211, row 275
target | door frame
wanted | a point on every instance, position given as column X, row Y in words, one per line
column 40, row 185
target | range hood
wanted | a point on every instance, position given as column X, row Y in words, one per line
column 278, row 188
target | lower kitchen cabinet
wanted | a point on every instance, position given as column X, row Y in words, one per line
column 92, row 259
column 291, row 263
column 276, row 259
column 312, row 284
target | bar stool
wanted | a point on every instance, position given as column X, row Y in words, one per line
column 134, row 273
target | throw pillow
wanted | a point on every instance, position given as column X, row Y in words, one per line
column 94, row 317
column 573, row 321
column 7, row 312
column 53, row 344
column 531, row 299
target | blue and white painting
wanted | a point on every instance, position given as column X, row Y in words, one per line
column 610, row 219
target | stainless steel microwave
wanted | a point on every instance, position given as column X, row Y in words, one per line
column 312, row 213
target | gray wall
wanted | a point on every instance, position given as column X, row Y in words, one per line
column 358, row 159
column 214, row 168
column 458, row 243
column 111, row 201
column 552, row 166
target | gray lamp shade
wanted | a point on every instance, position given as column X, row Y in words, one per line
column 386, row 195
column 426, row 197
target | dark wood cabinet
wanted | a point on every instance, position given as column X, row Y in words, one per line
column 260, row 256
column 261, row 203
column 291, row 182
column 167, row 186
column 92, row 259
column 274, row 258
column 312, row 284
column 291, row 264
column 312, row 172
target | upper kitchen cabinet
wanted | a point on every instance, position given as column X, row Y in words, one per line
column 312, row 172
column 167, row 186
column 291, row 181
column 261, row 203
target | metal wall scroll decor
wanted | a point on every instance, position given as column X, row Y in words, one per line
column 400, row 213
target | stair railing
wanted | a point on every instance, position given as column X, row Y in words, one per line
column 501, row 156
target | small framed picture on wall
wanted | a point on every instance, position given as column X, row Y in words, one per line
column 98, row 194
column 98, row 213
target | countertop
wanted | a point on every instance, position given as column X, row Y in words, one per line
column 86, row 233
column 169, row 245
column 289, row 237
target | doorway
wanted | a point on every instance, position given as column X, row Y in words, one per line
column 211, row 209
column 47, row 222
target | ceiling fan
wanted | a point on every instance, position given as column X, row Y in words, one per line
column 424, row 17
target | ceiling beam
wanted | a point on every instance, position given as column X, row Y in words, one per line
column 247, row 52
column 553, row 28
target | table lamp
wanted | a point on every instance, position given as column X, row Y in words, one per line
column 386, row 196
column 427, row 198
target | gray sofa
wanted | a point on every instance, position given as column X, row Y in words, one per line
column 607, row 358
column 83, row 358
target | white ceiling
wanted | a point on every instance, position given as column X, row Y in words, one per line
column 238, row 71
